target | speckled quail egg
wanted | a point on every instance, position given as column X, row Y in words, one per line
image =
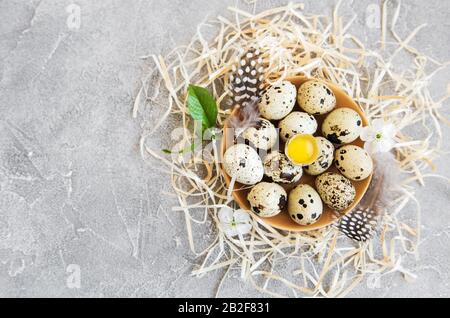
column 342, row 126
column 316, row 98
column 304, row 205
column 325, row 159
column 353, row 162
column 243, row 163
column 278, row 167
column 335, row 190
column 297, row 123
column 267, row 199
column 262, row 136
column 278, row 101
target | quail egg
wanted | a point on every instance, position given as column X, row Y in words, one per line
column 335, row 190
column 316, row 98
column 243, row 163
column 267, row 199
column 353, row 162
column 278, row 167
column 278, row 101
column 304, row 205
column 325, row 159
column 262, row 136
column 297, row 123
column 342, row 126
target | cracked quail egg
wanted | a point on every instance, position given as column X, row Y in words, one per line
column 353, row 162
column 278, row 101
column 297, row 123
column 243, row 163
column 335, row 190
column 304, row 205
column 278, row 167
column 342, row 126
column 316, row 98
column 267, row 199
column 262, row 136
column 325, row 159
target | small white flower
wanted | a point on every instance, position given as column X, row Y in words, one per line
column 234, row 222
column 378, row 137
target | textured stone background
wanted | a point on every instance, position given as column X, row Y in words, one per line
column 73, row 189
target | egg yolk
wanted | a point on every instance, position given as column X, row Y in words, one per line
column 302, row 149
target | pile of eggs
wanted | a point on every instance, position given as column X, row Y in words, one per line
column 271, row 175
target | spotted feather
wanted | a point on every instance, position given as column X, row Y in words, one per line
column 246, row 87
column 247, row 78
column 360, row 224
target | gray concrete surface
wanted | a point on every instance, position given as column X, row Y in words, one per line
column 74, row 193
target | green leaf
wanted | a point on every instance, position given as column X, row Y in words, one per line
column 202, row 106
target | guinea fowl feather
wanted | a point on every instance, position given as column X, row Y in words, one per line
column 361, row 223
column 246, row 87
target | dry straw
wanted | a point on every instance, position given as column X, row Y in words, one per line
column 324, row 262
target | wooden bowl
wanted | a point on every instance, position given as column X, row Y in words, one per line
column 283, row 221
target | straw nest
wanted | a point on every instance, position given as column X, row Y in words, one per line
column 324, row 262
